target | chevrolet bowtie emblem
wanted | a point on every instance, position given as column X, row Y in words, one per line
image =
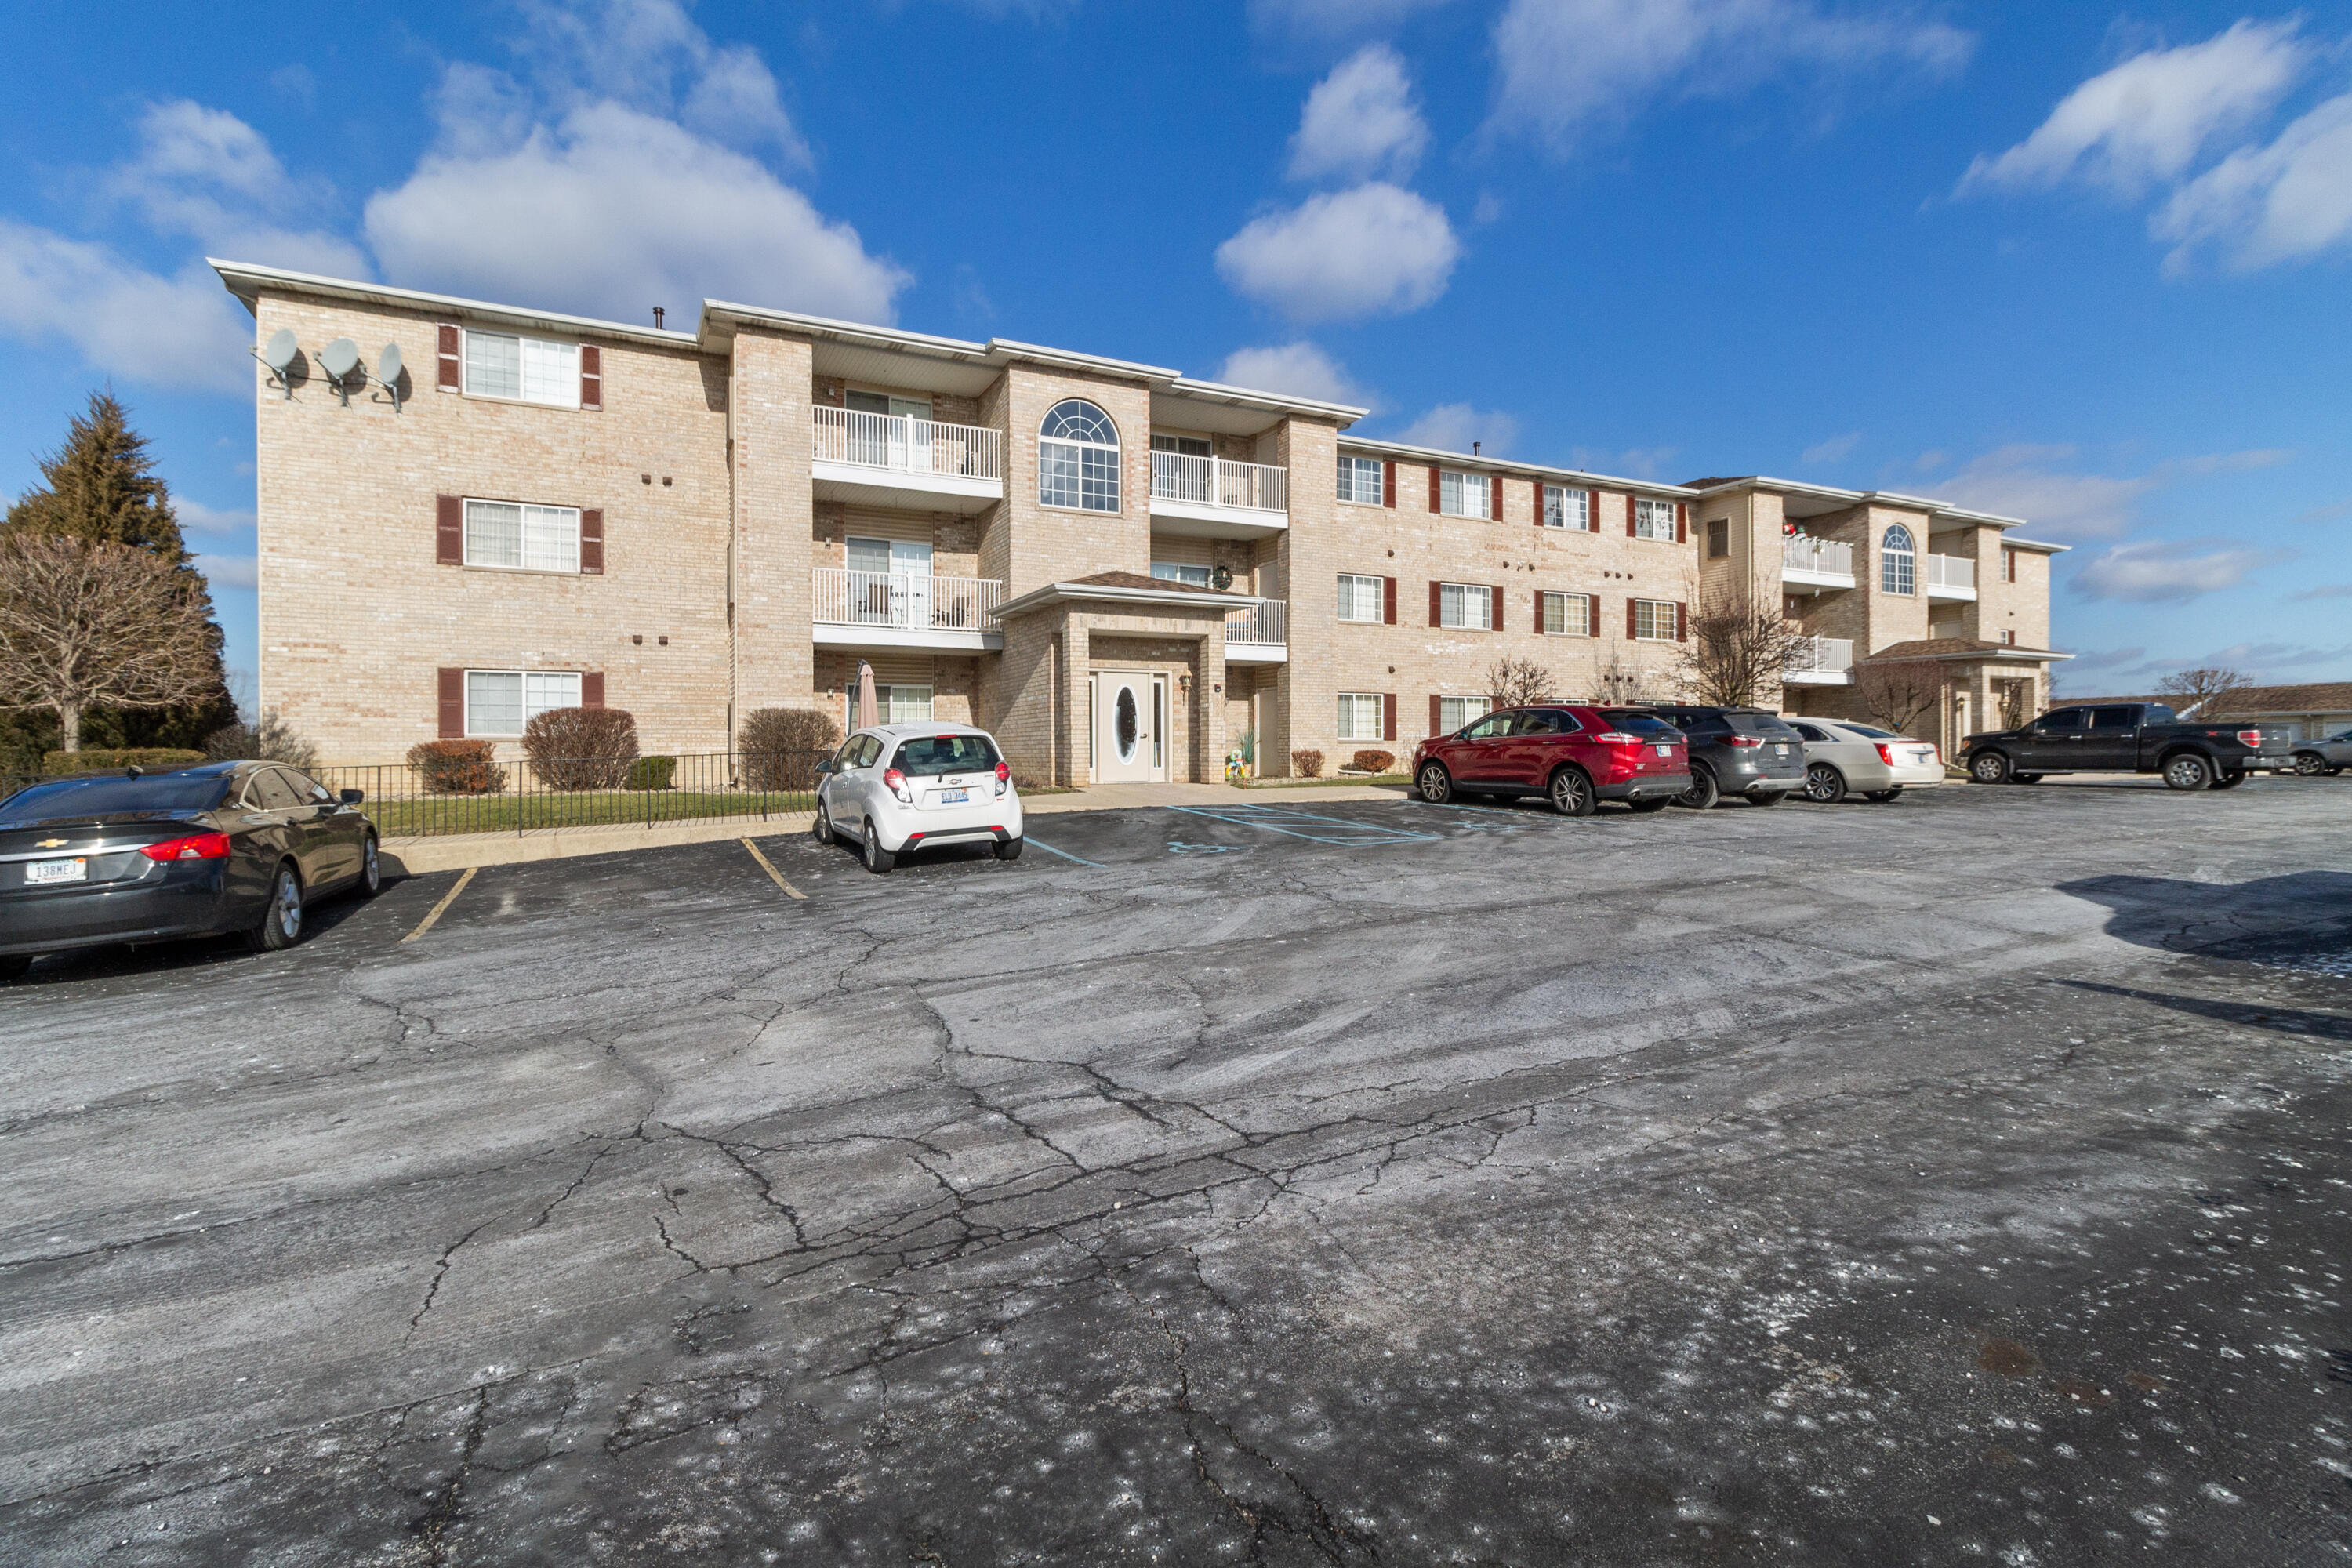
column 50, row 844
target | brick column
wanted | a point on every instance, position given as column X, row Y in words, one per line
column 770, row 397
column 1209, row 709
column 1303, row 709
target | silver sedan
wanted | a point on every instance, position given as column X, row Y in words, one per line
column 2332, row 755
column 1879, row 765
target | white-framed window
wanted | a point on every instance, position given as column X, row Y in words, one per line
column 501, row 701
column 1565, row 508
column 1361, row 482
column 1656, row 620
column 1464, row 495
column 1077, row 458
column 1567, row 615
column 519, row 537
column 1465, row 605
column 1452, row 712
column 528, row 370
column 1362, row 598
column 1182, row 572
column 1363, row 716
column 903, row 704
column 1897, row 562
column 1653, row 519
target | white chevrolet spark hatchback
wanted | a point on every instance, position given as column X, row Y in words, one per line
column 896, row 787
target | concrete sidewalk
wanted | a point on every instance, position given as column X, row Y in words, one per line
column 454, row 851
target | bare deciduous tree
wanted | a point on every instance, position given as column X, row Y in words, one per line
column 1518, row 682
column 1900, row 694
column 84, row 624
column 1619, row 681
column 1738, row 643
column 2190, row 689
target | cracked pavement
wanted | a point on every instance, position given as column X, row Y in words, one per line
column 1960, row 1179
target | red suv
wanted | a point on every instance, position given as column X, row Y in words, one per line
column 1576, row 753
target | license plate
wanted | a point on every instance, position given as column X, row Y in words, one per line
column 1780, row 751
column 1667, row 749
column 41, row 873
column 954, row 796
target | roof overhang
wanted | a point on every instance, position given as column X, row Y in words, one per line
column 1474, row 461
column 2035, row 546
column 1839, row 499
column 1099, row 593
column 1997, row 654
column 247, row 281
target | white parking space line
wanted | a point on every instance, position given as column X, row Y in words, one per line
column 447, row 900
column 1063, row 853
column 769, row 867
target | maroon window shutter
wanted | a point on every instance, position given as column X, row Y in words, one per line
column 591, row 542
column 1593, row 512
column 1387, row 483
column 1436, row 601
column 453, row 704
column 591, row 377
column 1388, row 716
column 1432, row 715
column 1539, row 512
column 1682, row 622
column 1494, row 498
column 591, row 689
column 448, row 531
column 1434, row 491
column 1593, row 615
column 1681, row 522
column 1632, row 625
column 1632, row 510
column 1538, row 612
column 1388, row 595
column 1494, row 618
column 451, row 378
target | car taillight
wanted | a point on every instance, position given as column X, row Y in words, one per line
column 1004, row 776
column 2251, row 738
column 898, row 783
column 1886, row 753
column 197, row 847
column 1742, row 741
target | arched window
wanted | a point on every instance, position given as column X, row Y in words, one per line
column 1077, row 458
column 1896, row 561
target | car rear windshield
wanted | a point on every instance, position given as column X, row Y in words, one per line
column 1642, row 724
column 113, row 797
column 935, row 754
column 1866, row 730
column 1759, row 724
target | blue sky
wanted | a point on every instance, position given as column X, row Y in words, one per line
column 2067, row 262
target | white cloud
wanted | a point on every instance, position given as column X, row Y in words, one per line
column 2326, row 591
column 1571, row 68
column 1369, row 250
column 2167, row 571
column 1360, row 121
column 195, row 517
column 1836, row 450
column 650, row 56
column 181, row 330
column 1452, row 427
column 207, row 175
column 1333, row 18
column 1300, row 369
column 622, row 211
column 2149, row 118
column 2031, row 482
column 230, row 571
column 2264, row 205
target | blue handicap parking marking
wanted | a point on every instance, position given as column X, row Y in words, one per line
column 1306, row 824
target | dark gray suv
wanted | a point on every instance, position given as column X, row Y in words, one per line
column 1744, row 752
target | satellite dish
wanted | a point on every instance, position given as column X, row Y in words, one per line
column 387, row 364
column 282, row 348
column 340, row 358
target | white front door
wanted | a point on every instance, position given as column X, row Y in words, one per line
column 910, row 573
column 1125, row 720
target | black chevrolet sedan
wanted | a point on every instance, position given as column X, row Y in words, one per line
column 132, row 857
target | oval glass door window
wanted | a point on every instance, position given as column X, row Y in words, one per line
column 1125, row 720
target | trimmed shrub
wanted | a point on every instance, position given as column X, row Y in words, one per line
column 458, row 767
column 1307, row 765
column 148, row 759
column 1374, row 762
column 781, row 746
column 270, row 741
column 652, row 773
column 581, row 748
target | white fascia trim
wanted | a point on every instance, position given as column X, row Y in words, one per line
column 1249, row 397
column 1052, row 592
column 2036, row 545
column 1468, row 462
column 2028, row 655
column 247, row 280
column 1004, row 351
column 1928, row 504
column 720, row 313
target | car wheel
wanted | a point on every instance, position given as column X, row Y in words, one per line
column 2188, row 772
column 1775, row 798
column 281, row 922
column 1571, row 793
column 1988, row 768
column 1702, row 792
column 1008, row 849
column 878, row 859
column 1655, row 803
column 1436, row 785
column 370, row 869
column 823, row 827
column 1881, row 795
column 2309, row 765
column 2230, row 781
column 13, row 966
column 1824, row 785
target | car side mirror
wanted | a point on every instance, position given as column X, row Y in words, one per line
column 352, row 796
column 824, row 767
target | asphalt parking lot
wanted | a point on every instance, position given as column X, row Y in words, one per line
column 1961, row 1179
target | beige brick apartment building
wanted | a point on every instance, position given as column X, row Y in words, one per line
column 1124, row 572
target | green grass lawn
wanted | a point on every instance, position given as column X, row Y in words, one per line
column 517, row 814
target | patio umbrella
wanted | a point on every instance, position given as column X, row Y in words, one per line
column 868, row 710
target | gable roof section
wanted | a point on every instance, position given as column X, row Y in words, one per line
column 2324, row 697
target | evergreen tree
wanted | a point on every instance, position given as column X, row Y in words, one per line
column 101, row 486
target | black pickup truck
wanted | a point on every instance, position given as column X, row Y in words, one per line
column 2128, row 738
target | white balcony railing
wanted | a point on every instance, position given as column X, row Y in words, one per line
column 1951, row 571
column 1213, row 481
column 1827, row 556
column 907, row 445
column 1264, row 622
column 905, row 601
column 1821, row 656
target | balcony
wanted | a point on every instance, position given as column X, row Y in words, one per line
column 891, row 459
column 1819, row 661
column 1950, row 577
column 1815, row 565
column 1212, row 499
column 902, row 609
column 1259, row 634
